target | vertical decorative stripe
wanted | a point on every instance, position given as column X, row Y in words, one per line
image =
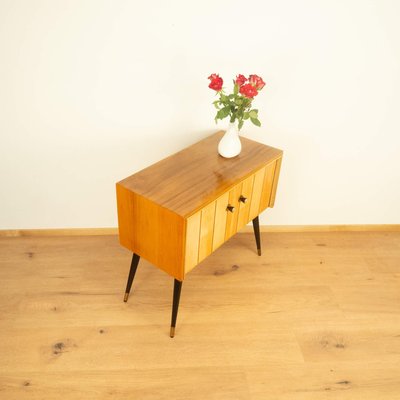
column 220, row 220
column 244, row 208
column 206, row 230
column 267, row 186
column 256, row 196
column 192, row 241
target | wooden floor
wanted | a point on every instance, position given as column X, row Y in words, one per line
column 316, row 317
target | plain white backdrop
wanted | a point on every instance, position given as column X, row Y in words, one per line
column 92, row 91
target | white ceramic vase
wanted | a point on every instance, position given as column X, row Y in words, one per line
column 230, row 146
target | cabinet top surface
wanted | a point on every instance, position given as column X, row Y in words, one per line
column 186, row 181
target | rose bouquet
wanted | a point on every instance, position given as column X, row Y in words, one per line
column 237, row 105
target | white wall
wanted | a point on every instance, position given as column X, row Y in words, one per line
column 92, row 91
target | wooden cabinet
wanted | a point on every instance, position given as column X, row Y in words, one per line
column 178, row 211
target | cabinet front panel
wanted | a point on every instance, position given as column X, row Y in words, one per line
column 192, row 241
column 220, row 220
column 245, row 202
column 275, row 183
column 214, row 224
column 207, row 230
column 256, row 195
column 267, row 186
column 232, row 216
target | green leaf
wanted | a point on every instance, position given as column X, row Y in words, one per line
column 235, row 89
column 241, row 122
column 253, row 114
column 239, row 101
column 224, row 98
column 223, row 112
column 216, row 104
column 226, row 110
column 246, row 115
column 255, row 121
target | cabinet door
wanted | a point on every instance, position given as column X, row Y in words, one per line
column 245, row 202
column 220, row 220
column 206, row 231
column 232, row 211
column 199, row 236
column 214, row 224
column 267, row 186
column 256, row 194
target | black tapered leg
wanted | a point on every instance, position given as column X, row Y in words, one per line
column 175, row 305
column 256, row 227
column 132, row 272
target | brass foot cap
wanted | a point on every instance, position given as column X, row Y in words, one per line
column 259, row 252
column 126, row 297
column 172, row 332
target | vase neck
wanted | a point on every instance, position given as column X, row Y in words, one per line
column 233, row 126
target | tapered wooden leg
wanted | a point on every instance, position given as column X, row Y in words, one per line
column 256, row 227
column 132, row 272
column 175, row 305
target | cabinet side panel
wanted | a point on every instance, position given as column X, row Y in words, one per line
column 267, row 186
column 151, row 231
column 275, row 183
column 125, row 227
column 192, row 241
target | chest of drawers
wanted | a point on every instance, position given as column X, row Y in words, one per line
column 178, row 211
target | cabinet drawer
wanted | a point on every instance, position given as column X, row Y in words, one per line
column 214, row 224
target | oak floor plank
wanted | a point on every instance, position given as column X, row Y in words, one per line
column 326, row 381
column 168, row 383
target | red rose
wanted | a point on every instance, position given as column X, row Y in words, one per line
column 240, row 80
column 256, row 81
column 248, row 90
column 216, row 82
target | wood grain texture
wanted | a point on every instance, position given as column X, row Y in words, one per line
column 244, row 208
column 206, row 231
column 267, row 186
column 197, row 175
column 256, row 193
column 275, row 182
column 58, row 232
column 193, row 224
column 153, row 232
column 220, row 220
column 232, row 217
column 317, row 316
